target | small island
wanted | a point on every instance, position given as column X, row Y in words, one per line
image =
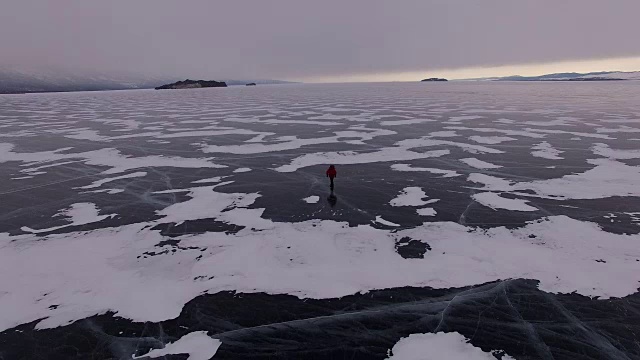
column 434, row 79
column 193, row 84
column 251, row 84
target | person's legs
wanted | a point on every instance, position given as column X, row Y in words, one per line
column 331, row 183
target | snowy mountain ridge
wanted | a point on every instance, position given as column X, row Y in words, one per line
column 571, row 76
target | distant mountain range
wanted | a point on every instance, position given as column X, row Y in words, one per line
column 15, row 81
column 20, row 81
column 593, row 76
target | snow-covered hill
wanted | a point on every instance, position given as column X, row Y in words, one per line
column 23, row 81
column 632, row 75
column 593, row 76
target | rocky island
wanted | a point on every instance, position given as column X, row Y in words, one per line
column 435, row 79
column 193, row 84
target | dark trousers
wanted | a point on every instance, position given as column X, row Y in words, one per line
column 331, row 178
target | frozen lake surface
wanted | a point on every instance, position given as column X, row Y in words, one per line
column 468, row 220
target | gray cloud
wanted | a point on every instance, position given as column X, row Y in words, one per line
column 299, row 38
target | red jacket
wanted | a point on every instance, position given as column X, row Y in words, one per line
column 331, row 172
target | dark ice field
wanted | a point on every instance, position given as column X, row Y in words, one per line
column 506, row 213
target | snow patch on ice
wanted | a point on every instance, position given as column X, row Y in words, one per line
column 404, row 122
column 410, row 196
column 426, row 141
column 546, row 151
column 78, row 214
column 574, row 133
column 464, row 117
column 606, row 151
column 101, row 182
column 443, row 134
column 491, row 139
column 312, row 199
column 197, row 344
column 209, row 180
column 331, row 260
column 408, row 167
column 426, row 212
column 241, row 170
column 500, row 131
column 438, row 346
column 495, row 201
column 382, row 221
column 608, row 178
column 293, row 142
column 205, row 203
column 621, row 129
column 109, row 157
column 107, row 191
column 351, row 157
column 479, row 164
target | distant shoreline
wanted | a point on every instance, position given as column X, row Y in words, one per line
column 455, row 81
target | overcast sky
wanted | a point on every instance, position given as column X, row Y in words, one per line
column 319, row 40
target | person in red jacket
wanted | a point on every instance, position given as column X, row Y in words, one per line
column 331, row 174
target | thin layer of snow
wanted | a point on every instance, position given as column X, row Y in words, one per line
column 574, row 133
column 205, row 133
column 93, row 135
column 293, row 142
column 621, row 129
column 479, row 164
column 546, row 151
column 108, row 157
column 32, row 170
column 209, row 180
column 439, row 346
column 507, row 132
column 426, row 141
column 312, row 199
column 408, row 167
column 351, row 157
column 101, row 182
column 562, row 121
column 443, row 134
column 107, row 191
column 495, row 201
column 464, row 117
column 404, row 122
column 302, row 122
column 197, row 344
column 382, row 221
column 329, row 116
column 77, row 214
column 491, row 140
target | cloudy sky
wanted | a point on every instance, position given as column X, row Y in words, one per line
column 321, row 40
